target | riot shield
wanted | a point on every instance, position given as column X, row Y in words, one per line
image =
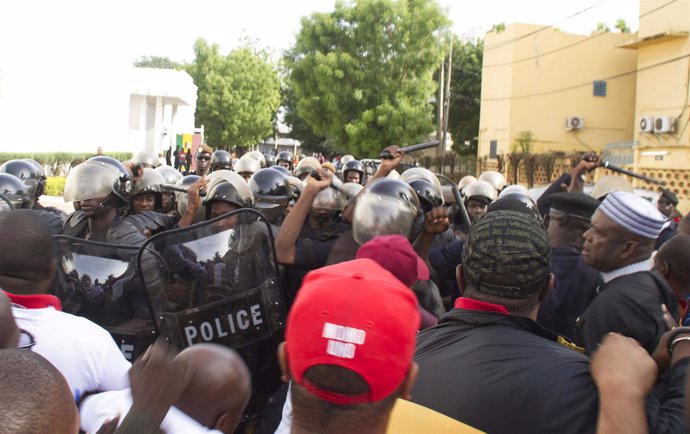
column 100, row 281
column 216, row 281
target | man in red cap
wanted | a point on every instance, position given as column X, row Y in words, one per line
column 349, row 341
column 395, row 254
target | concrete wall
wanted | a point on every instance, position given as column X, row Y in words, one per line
column 535, row 82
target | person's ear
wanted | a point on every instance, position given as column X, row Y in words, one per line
column 663, row 267
column 550, row 283
column 546, row 220
column 630, row 249
column 408, row 383
column 283, row 362
column 460, row 277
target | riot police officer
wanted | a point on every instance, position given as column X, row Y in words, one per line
column 146, row 159
column 31, row 174
column 170, row 177
column 353, row 171
column 147, row 194
column 284, row 159
column 221, row 159
column 271, row 190
column 246, row 166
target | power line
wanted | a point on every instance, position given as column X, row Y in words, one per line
column 589, row 83
column 656, row 9
column 565, row 47
column 541, row 29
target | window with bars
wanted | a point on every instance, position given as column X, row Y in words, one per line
column 493, row 148
column 599, row 88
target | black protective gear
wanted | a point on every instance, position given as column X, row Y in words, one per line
column 146, row 159
column 29, row 172
column 169, row 174
column 284, row 156
column 14, row 191
column 305, row 166
column 181, row 200
column 271, row 190
column 231, row 192
column 428, row 195
column 97, row 178
column 281, row 169
column 355, row 165
column 150, row 182
column 221, row 159
column 387, row 207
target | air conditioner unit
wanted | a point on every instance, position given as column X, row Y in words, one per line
column 647, row 124
column 574, row 123
column 664, row 124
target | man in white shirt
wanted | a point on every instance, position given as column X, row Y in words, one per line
column 82, row 351
column 212, row 401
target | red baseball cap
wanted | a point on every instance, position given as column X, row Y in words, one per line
column 395, row 254
column 358, row 316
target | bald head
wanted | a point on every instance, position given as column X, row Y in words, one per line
column 9, row 332
column 672, row 261
column 26, row 250
column 219, row 388
column 35, row 398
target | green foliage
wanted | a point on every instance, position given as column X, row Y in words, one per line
column 466, row 91
column 603, row 27
column 299, row 128
column 52, row 158
column 622, row 26
column 55, row 185
column 548, row 162
column 238, row 94
column 523, row 142
column 362, row 75
column 498, row 28
column 156, row 62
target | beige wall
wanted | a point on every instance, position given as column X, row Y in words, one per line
column 539, row 93
column 675, row 16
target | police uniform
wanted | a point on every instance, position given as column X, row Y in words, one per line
column 576, row 283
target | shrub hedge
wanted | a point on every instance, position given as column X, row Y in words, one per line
column 55, row 185
column 51, row 158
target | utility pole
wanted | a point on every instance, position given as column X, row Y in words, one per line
column 439, row 104
column 446, row 106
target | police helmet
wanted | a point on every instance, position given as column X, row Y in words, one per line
column 150, row 182
column 481, row 191
column 271, row 190
column 14, row 191
column 221, row 159
column 113, row 162
column 236, row 193
column 270, row 160
column 181, row 199
column 516, row 201
column 169, row 174
column 28, row 173
column 420, row 173
column 466, row 180
column 393, row 175
column 281, row 169
column 258, row 156
column 427, row 193
column 496, row 179
column 513, row 189
column 295, row 189
column 345, row 158
column 284, row 156
column 351, row 189
column 387, row 207
column 305, row 166
column 39, row 167
column 610, row 183
column 95, row 179
column 354, row 165
column 247, row 165
column 146, row 159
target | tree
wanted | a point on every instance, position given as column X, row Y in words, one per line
column 299, row 128
column 603, row 27
column 362, row 75
column 466, row 90
column 622, row 26
column 161, row 62
column 238, row 94
column 498, row 28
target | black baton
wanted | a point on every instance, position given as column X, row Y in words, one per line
column 407, row 149
column 614, row 168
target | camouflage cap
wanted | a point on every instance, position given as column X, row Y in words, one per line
column 507, row 254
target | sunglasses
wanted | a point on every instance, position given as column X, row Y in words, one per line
column 26, row 339
column 199, row 157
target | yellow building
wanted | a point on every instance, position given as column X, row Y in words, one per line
column 661, row 109
column 573, row 92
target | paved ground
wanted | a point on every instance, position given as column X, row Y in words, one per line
column 57, row 202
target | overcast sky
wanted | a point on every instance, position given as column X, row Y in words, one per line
column 34, row 32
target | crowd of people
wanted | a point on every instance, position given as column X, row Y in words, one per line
column 273, row 294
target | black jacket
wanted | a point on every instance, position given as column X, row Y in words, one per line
column 629, row 305
column 575, row 287
column 505, row 374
